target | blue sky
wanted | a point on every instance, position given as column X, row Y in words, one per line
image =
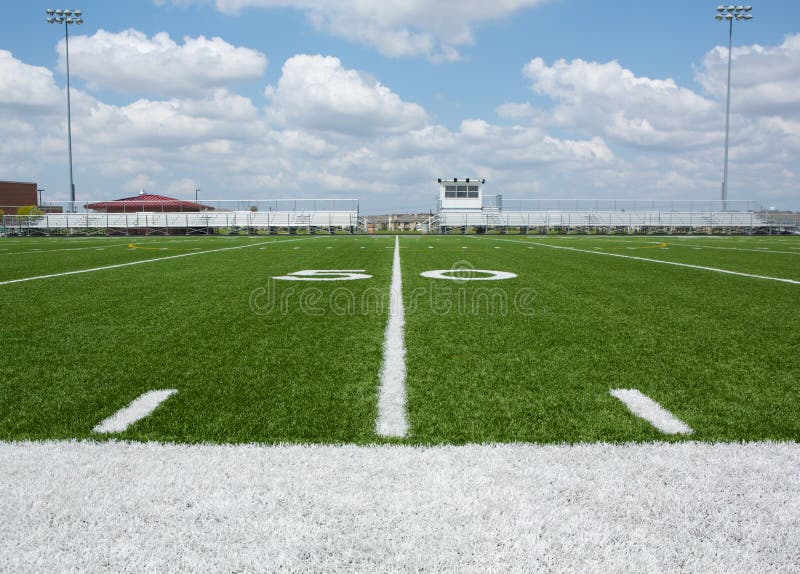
column 302, row 98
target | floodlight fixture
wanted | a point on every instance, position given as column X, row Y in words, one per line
column 741, row 14
column 67, row 17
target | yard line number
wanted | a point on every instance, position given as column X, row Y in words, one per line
column 354, row 274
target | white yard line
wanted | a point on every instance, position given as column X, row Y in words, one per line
column 661, row 261
column 644, row 407
column 392, row 421
column 136, row 411
column 117, row 266
column 40, row 251
column 762, row 250
column 148, row 507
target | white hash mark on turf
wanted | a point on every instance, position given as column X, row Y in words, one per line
column 137, row 410
column 392, row 395
column 644, row 407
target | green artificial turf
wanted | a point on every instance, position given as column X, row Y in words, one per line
column 527, row 359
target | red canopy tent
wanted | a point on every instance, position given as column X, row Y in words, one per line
column 147, row 202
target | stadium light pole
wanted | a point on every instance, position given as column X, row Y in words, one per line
column 729, row 14
column 67, row 17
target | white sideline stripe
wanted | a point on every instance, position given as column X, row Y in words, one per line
column 84, row 506
column 136, row 411
column 677, row 264
column 392, row 420
column 644, row 407
column 117, row 266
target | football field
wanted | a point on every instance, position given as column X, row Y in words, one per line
column 514, row 339
column 550, row 403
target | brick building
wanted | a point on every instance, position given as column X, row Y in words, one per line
column 16, row 194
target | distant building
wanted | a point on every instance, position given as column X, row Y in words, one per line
column 16, row 194
column 147, row 202
column 396, row 222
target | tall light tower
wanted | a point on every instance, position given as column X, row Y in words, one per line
column 729, row 14
column 67, row 17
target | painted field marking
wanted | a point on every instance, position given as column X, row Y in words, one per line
column 141, row 407
column 646, row 408
column 146, row 261
column 325, row 275
column 757, row 250
column 487, row 274
column 37, row 251
column 392, row 420
column 137, row 246
column 663, row 262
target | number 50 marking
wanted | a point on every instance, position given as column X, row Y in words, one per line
column 353, row 274
column 325, row 275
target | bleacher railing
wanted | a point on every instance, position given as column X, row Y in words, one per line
column 691, row 205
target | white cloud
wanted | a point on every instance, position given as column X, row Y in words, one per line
column 26, row 86
column 131, row 62
column 140, row 182
column 431, row 28
column 607, row 99
column 317, row 93
column 516, row 111
column 169, row 123
column 183, row 188
column 764, row 80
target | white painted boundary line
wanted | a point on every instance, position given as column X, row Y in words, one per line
column 392, row 420
column 675, row 263
column 644, row 407
column 70, row 506
column 765, row 250
column 136, row 411
column 40, row 251
column 117, row 266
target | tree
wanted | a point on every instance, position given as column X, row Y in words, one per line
column 29, row 210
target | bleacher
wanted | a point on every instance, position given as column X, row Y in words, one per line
column 643, row 220
column 188, row 222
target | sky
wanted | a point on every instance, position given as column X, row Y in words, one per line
column 376, row 99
